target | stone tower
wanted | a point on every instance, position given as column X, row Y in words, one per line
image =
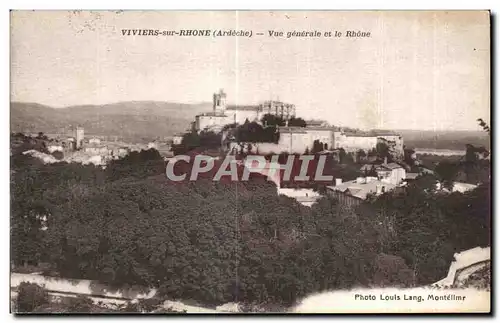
column 220, row 102
column 79, row 136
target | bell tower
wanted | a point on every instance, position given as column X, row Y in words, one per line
column 220, row 102
column 79, row 136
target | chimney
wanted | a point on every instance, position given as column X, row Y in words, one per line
column 385, row 160
column 338, row 181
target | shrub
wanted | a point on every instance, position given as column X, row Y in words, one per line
column 80, row 304
column 142, row 305
column 30, row 297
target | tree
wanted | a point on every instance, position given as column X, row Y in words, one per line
column 383, row 150
column 296, row 122
column 272, row 120
column 144, row 306
column 30, row 296
column 317, row 146
column 80, row 304
column 484, row 125
column 253, row 132
column 392, row 271
column 409, row 154
column 447, row 172
column 219, row 242
column 360, row 155
column 59, row 155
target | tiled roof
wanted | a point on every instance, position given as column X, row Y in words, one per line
column 392, row 166
column 361, row 190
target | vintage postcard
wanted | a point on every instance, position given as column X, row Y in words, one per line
column 226, row 162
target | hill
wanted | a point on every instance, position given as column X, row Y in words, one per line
column 127, row 120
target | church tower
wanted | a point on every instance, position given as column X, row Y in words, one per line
column 220, row 102
column 79, row 136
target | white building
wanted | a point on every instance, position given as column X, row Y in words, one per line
column 177, row 139
column 224, row 114
column 352, row 193
column 353, row 142
column 96, row 150
column 389, row 176
column 305, row 196
column 53, row 148
column 298, row 139
column 79, row 137
column 153, row 145
column 95, row 141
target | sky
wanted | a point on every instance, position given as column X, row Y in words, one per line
column 417, row 70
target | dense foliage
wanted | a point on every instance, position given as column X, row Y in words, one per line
column 275, row 120
column 30, row 296
column 218, row 242
column 254, row 132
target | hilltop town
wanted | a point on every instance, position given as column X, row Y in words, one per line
column 94, row 188
column 371, row 162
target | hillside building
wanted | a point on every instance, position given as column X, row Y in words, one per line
column 352, row 193
column 153, row 145
column 95, row 149
column 177, row 139
column 95, row 141
column 300, row 139
column 79, row 137
column 223, row 114
column 278, row 108
column 54, row 148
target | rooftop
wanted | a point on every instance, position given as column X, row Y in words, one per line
column 391, row 166
column 212, row 114
column 276, row 102
column 244, row 107
column 361, row 189
column 304, row 129
column 411, row 175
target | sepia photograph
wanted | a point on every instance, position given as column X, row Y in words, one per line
column 248, row 162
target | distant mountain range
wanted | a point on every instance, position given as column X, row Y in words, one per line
column 148, row 120
column 128, row 120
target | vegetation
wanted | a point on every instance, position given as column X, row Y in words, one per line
column 219, row 242
column 254, row 132
column 30, row 296
column 33, row 298
column 126, row 120
column 484, row 125
column 425, row 228
column 194, row 140
column 453, row 140
column 271, row 120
